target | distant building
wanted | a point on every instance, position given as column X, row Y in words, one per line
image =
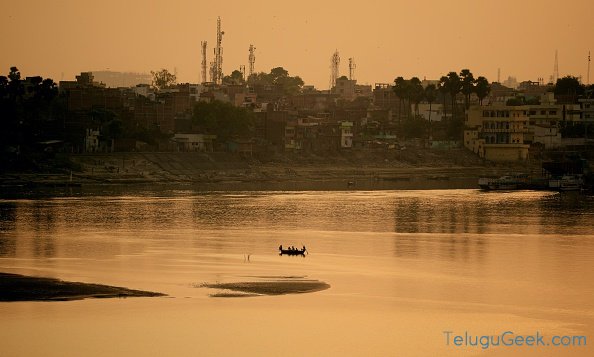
column 496, row 133
column 587, row 110
column 437, row 113
column 113, row 79
column 346, row 134
column 84, row 80
column 511, row 82
column 92, row 140
column 384, row 97
column 194, row 142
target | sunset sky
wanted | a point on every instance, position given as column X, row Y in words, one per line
column 391, row 38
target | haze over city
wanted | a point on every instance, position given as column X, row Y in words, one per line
column 60, row 39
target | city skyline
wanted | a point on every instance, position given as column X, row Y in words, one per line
column 386, row 39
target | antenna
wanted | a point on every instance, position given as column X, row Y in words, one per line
column 252, row 60
column 352, row 67
column 499, row 75
column 242, row 70
column 334, row 65
column 203, row 44
column 219, row 54
column 588, row 78
column 556, row 68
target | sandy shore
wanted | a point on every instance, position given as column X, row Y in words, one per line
column 14, row 287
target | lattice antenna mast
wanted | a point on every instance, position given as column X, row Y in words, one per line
column 334, row 65
column 352, row 67
column 242, row 70
column 588, row 78
column 218, row 51
column 252, row 60
column 213, row 71
column 203, row 44
column 556, row 68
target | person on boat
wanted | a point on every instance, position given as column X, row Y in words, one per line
column 303, row 250
column 280, row 247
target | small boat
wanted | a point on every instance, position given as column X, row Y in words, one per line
column 292, row 251
column 508, row 182
column 567, row 183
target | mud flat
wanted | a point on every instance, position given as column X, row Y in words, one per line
column 270, row 287
column 14, row 287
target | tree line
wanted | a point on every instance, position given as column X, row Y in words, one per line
column 411, row 91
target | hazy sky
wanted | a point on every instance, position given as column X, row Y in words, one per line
column 390, row 38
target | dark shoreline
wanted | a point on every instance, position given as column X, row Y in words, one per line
column 15, row 287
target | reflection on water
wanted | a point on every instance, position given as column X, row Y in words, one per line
column 526, row 252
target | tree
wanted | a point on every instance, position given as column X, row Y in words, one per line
column 454, row 87
column 467, row 85
column 236, row 78
column 430, row 96
column 400, row 88
column 482, row 88
column 278, row 76
column 569, row 86
column 223, row 120
column 415, row 93
column 443, row 88
column 163, row 79
column 16, row 89
column 277, row 73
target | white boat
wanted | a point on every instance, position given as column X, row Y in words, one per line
column 567, row 183
column 507, row 182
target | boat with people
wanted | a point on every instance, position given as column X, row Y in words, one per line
column 292, row 250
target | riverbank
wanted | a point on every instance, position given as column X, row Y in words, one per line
column 351, row 170
column 14, row 287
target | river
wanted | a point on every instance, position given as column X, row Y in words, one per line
column 408, row 271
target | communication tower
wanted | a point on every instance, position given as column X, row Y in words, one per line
column 556, row 68
column 252, row 60
column 213, row 71
column 218, row 52
column 242, row 70
column 588, row 78
column 203, row 73
column 334, row 65
column 352, row 67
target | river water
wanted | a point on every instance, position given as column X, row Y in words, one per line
column 406, row 270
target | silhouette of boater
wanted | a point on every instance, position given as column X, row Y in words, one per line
column 292, row 250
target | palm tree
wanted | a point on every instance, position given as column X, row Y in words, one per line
column 467, row 80
column 430, row 96
column 443, row 88
column 454, row 87
column 400, row 90
column 415, row 92
column 482, row 88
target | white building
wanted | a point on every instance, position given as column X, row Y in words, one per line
column 194, row 142
column 92, row 140
column 346, row 134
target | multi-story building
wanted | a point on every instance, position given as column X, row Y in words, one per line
column 346, row 134
column 587, row 109
column 497, row 132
